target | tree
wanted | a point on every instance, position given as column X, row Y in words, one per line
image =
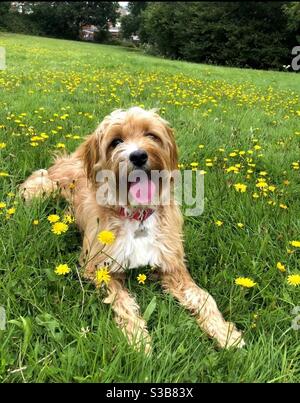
column 130, row 24
column 292, row 12
column 234, row 33
column 63, row 19
column 4, row 10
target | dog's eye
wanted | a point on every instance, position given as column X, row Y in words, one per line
column 116, row 142
column 152, row 136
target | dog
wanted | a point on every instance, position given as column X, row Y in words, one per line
column 140, row 139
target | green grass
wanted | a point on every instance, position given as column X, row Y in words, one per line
column 218, row 107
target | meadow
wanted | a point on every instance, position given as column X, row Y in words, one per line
column 241, row 128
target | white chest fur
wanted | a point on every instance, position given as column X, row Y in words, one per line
column 133, row 251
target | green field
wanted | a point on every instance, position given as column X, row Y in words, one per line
column 241, row 127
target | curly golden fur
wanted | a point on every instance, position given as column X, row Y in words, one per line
column 75, row 177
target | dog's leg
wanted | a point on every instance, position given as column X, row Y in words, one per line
column 127, row 315
column 37, row 184
column 202, row 305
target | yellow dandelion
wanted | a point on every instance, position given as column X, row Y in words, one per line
column 141, row 278
column 294, row 279
column 232, row 169
column 11, row 211
column 240, row 187
column 68, row 219
column 245, row 282
column 240, row 225
column 281, row 267
column 219, row 223
column 296, row 244
column 35, row 222
column 102, row 276
column 261, row 184
column 2, row 205
column 283, row 206
column 53, row 218
column 60, row 145
column 62, row 269
column 106, row 237
column 59, row 227
column 2, row 145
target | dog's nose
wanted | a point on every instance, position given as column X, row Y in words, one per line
column 138, row 157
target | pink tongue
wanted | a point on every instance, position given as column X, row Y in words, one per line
column 142, row 191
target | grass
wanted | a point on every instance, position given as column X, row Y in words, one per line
column 58, row 331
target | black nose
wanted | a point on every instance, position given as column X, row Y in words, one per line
column 138, row 157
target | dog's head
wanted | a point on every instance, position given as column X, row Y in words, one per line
column 139, row 139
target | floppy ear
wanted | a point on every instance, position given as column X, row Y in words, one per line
column 172, row 143
column 173, row 149
column 89, row 152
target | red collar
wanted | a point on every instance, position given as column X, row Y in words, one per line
column 140, row 214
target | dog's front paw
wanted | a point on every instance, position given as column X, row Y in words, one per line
column 37, row 185
column 230, row 337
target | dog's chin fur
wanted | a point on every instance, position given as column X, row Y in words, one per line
column 74, row 176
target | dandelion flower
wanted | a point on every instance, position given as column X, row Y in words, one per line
column 240, row 225
column 283, row 206
column 281, row 267
column 141, row 278
column 261, row 184
column 2, row 145
column 62, row 269
column 35, row 222
column 219, row 223
column 11, row 211
column 2, row 205
column 53, row 218
column 294, row 279
column 245, row 282
column 240, row 187
column 106, row 237
column 59, row 227
column 68, row 219
column 296, row 244
column 102, row 276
